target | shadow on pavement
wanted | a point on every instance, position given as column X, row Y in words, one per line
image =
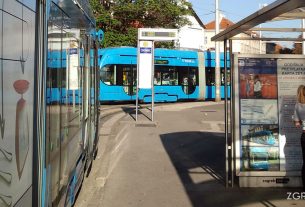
column 199, row 159
column 132, row 111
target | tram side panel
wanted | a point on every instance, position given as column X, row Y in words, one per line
column 178, row 75
column 16, row 101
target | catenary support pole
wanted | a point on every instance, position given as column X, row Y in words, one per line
column 217, row 55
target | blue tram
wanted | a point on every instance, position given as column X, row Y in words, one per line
column 179, row 75
column 49, row 100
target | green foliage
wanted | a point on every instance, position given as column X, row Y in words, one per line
column 121, row 19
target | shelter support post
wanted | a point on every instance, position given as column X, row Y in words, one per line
column 231, row 113
column 226, row 113
column 227, row 108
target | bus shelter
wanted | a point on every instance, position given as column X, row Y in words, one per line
column 262, row 145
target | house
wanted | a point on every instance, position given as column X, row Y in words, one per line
column 191, row 36
column 241, row 46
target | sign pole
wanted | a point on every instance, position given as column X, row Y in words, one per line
column 137, row 98
column 145, row 66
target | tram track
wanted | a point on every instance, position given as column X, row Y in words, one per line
column 107, row 112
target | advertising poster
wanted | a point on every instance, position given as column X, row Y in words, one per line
column 258, row 111
column 267, row 90
column 259, row 131
column 260, row 147
column 258, row 78
column 291, row 74
column 17, row 68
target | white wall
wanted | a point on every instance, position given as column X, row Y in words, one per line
column 241, row 46
column 191, row 36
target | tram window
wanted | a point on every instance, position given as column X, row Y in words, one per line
column 193, row 76
column 223, row 77
column 166, row 76
column 170, row 77
column 157, row 80
column 188, row 76
column 210, row 76
column 107, row 74
column 57, row 78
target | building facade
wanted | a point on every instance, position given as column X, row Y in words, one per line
column 191, row 36
column 239, row 46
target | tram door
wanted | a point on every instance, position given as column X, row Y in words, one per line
column 188, row 78
column 130, row 79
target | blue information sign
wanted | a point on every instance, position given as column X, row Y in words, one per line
column 145, row 50
column 73, row 51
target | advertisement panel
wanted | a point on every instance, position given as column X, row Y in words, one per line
column 16, row 102
column 145, row 64
column 291, row 74
column 267, row 143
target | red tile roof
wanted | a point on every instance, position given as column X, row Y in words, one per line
column 224, row 24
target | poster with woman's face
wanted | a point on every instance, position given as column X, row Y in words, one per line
column 259, row 132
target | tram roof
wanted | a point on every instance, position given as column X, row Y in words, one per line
column 277, row 11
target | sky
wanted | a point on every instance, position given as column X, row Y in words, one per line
column 236, row 10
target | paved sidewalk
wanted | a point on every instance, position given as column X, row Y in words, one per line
column 177, row 163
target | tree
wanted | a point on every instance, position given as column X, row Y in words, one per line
column 120, row 19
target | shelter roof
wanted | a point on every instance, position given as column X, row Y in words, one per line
column 276, row 11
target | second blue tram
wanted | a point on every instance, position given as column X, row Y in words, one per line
column 179, row 75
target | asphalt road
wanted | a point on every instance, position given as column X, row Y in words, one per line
column 177, row 161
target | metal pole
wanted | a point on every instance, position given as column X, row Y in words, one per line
column 226, row 108
column 303, row 35
column 217, row 55
column 137, row 97
column 152, row 81
column 231, row 111
column 260, row 34
column 39, row 194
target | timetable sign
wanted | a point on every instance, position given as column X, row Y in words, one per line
column 157, row 34
column 145, row 64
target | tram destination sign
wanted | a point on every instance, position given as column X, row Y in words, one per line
column 158, row 34
column 161, row 62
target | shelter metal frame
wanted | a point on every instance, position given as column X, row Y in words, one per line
column 279, row 10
